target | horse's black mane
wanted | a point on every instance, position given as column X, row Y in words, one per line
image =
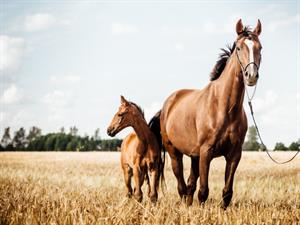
column 225, row 55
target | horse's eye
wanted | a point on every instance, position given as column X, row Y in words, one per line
column 238, row 48
column 122, row 113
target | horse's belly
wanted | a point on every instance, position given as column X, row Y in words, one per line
column 181, row 132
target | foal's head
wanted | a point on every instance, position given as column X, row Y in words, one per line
column 129, row 114
column 248, row 50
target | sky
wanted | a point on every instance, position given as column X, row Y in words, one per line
column 66, row 63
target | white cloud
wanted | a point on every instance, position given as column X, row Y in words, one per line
column 275, row 25
column 11, row 53
column 179, row 47
column 65, row 79
column 119, row 28
column 11, row 95
column 39, row 21
column 205, row 28
column 2, row 117
column 265, row 103
column 276, row 116
column 57, row 102
column 57, row 99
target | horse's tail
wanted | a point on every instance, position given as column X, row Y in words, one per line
column 154, row 126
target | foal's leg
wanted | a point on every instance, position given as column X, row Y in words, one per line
column 148, row 183
column 153, row 167
column 231, row 165
column 127, row 171
column 138, row 181
column 192, row 180
column 204, row 163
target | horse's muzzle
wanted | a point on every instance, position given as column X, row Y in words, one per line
column 111, row 131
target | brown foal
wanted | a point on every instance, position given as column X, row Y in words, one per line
column 211, row 122
column 140, row 151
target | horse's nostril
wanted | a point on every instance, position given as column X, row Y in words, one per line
column 257, row 75
column 246, row 73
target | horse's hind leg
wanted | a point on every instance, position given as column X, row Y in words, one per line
column 231, row 165
column 192, row 180
column 127, row 177
column 177, row 167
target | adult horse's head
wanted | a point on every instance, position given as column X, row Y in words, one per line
column 248, row 48
column 125, row 117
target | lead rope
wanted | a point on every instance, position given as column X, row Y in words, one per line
column 264, row 148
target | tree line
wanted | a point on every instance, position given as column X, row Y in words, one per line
column 252, row 144
column 71, row 141
column 59, row 141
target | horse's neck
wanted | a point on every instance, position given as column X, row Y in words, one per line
column 231, row 86
column 142, row 130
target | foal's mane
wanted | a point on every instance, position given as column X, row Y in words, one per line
column 138, row 108
column 225, row 55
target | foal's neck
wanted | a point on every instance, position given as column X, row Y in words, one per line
column 231, row 86
column 141, row 129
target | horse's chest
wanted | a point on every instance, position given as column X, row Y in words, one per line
column 229, row 139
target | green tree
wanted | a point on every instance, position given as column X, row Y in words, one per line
column 294, row 146
column 73, row 145
column 279, row 146
column 97, row 134
column 19, row 141
column 62, row 130
column 73, row 131
column 251, row 144
column 50, row 142
column 6, row 138
column 34, row 132
column 62, row 141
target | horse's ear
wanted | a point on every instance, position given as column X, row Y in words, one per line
column 123, row 100
column 239, row 27
column 257, row 29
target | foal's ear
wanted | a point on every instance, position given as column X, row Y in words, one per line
column 123, row 100
column 239, row 27
column 257, row 29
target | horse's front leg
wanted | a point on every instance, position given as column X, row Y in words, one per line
column 127, row 171
column 192, row 180
column 231, row 165
column 204, row 163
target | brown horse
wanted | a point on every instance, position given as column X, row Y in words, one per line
column 211, row 122
column 140, row 151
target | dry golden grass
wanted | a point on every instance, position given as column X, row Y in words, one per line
column 88, row 188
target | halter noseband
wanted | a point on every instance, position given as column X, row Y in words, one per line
column 245, row 68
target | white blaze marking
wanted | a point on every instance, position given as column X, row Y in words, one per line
column 250, row 45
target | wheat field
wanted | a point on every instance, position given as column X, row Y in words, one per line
column 88, row 188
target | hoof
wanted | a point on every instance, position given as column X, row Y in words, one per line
column 128, row 195
column 153, row 199
column 224, row 207
column 189, row 200
column 139, row 198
